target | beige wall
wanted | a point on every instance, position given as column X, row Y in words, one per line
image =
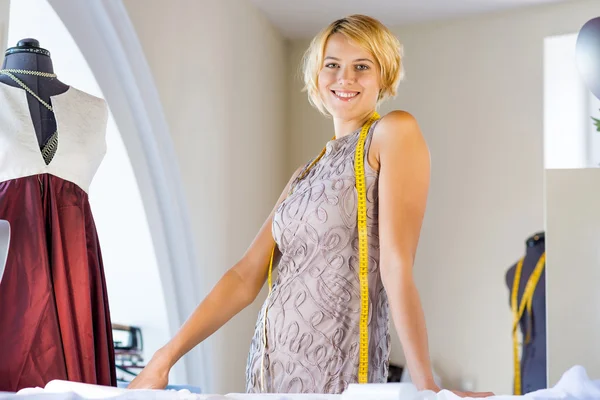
column 573, row 270
column 220, row 71
column 4, row 15
column 476, row 86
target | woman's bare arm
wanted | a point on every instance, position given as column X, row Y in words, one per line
column 238, row 288
column 404, row 166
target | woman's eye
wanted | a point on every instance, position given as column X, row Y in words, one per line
column 362, row 67
column 331, row 65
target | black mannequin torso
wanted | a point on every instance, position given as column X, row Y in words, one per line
column 27, row 55
column 533, row 353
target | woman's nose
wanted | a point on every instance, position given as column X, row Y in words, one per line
column 346, row 76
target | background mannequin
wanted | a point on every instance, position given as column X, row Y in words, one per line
column 28, row 55
column 533, row 353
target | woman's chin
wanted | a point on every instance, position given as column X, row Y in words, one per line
column 345, row 113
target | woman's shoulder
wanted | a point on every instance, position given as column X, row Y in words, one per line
column 397, row 121
column 396, row 129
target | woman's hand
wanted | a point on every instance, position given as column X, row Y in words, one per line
column 472, row 394
column 459, row 393
column 154, row 376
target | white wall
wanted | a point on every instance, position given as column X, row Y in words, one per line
column 220, row 70
column 570, row 137
column 573, row 270
column 566, row 115
column 476, row 86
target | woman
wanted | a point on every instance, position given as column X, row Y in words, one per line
column 309, row 336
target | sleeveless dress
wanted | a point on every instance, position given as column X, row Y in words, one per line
column 54, row 314
column 314, row 308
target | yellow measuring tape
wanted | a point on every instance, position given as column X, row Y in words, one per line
column 363, row 249
column 526, row 301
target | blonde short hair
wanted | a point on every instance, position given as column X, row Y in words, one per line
column 371, row 35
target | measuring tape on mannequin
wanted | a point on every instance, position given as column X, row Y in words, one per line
column 526, row 301
column 363, row 256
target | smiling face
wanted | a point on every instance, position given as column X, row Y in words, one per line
column 348, row 81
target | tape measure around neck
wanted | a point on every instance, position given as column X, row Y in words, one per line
column 359, row 172
column 526, row 301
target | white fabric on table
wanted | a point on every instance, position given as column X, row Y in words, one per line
column 573, row 385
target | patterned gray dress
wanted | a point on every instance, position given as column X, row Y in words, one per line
column 314, row 308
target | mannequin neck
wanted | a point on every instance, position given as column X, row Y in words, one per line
column 535, row 245
column 536, row 240
column 28, row 61
column 32, row 61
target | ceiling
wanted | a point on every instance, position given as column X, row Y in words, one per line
column 304, row 18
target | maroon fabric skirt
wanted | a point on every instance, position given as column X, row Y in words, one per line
column 54, row 314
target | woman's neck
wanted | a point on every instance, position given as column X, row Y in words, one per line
column 344, row 127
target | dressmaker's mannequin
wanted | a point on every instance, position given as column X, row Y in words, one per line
column 54, row 312
column 28, row 55
column 533, row 351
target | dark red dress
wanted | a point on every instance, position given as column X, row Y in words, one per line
column 54, row 313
